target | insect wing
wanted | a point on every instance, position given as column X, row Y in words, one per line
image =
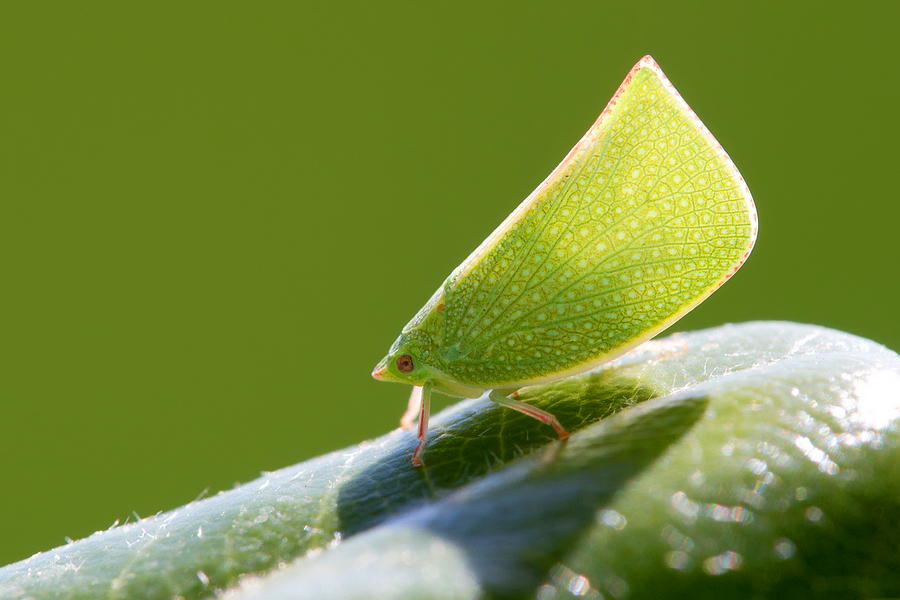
column 644, row 218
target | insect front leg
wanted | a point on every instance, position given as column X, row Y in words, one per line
column 541, row 415
column 412, row 409
column 424, row 412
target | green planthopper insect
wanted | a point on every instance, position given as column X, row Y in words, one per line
column 642, row 220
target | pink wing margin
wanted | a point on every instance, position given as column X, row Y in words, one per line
column 591, row 135
column 647, row 62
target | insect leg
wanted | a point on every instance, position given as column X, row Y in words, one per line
column 423, row 424
column 412, row 409
column 531, row 411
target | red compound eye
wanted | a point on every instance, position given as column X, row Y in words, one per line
column 405, row 363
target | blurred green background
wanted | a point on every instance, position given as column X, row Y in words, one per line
column 216, row 217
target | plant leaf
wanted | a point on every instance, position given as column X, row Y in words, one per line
column 761, row 460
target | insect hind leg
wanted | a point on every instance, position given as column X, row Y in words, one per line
column 527, row 409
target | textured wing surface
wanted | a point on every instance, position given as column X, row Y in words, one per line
column 643, row 219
